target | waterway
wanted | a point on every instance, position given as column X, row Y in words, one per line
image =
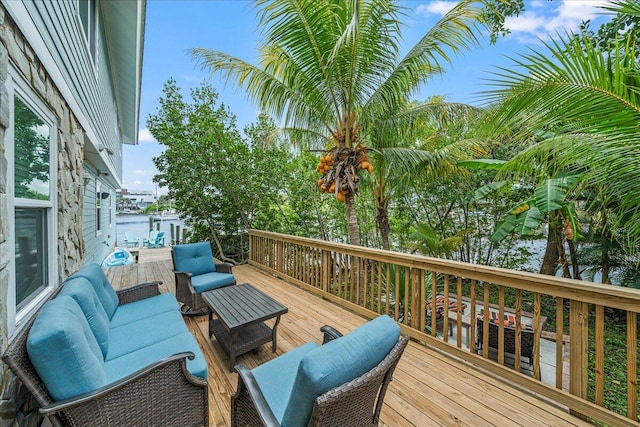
column 139, row 225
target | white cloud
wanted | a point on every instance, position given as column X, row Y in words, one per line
column 437, row 7
column 145, row 136
column 556, row 17
column 143, row 172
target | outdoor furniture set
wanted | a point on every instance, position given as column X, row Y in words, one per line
column 95, row 356
column 342, row 382
column 92, row 356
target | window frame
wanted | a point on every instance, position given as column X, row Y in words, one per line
column 17, row 86
column 90, row 28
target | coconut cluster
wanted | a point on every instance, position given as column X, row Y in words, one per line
column 339, row 169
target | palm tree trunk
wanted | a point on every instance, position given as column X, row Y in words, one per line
column 353, row 230
column 551, row 255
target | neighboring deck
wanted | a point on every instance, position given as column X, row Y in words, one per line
column 428, row 389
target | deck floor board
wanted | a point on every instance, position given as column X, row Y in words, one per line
column 429, row 387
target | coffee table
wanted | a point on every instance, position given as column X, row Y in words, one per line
column 241, row 311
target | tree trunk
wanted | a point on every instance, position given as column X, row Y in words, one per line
column 551, row 255
column 574, row 260
column 352, row 219
column 382, row 219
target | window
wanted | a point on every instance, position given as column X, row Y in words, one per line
column 31, row 198
column 87, row 11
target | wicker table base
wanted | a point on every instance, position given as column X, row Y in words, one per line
column 241, row 311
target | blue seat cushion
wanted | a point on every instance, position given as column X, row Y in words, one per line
column 107, row 295
column 143, row 309
column 64, row 351
column 82, row 292
column 144, row 332
column 194, row 258
column 129, row 363
column 208, row 281
column 276, row 376
column 338, row 362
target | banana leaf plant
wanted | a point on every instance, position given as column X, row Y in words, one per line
column 525, row 218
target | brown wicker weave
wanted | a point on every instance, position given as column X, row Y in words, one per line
column 187, row 295
column 164, row 394
column 356, row 403
column 526, row 339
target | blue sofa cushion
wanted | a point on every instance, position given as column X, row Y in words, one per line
column 208, row 281
column 194, row 258
column 337, row 362
column 82, row 292
column 276, row 376
column 129, row 363
column 101, row 285
column 144, row 332
column 141, row 309
column 64, row 351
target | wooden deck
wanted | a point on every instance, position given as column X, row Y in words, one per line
column 428, row 388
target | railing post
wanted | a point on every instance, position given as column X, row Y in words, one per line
column 579, row 356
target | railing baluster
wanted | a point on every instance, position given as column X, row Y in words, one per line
column 537, row 307
column 599, row 343
column 445, row 315
column 632, row 365
column 486, row 317
column 406, row 295
column 560, row 343
column 472, row 318
column 459, row 313
column 518, row 326
column 501, row 324
column 434, row 292
column 421, row 303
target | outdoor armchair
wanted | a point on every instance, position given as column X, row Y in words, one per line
column 342, row 382
column 196, row 272
column 155, row 240
column 131, row 239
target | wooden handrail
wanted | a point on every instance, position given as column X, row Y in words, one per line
column 373, row 281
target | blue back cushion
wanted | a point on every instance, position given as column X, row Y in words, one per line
column 194, row 258
column 108, row 297
column 64, row 351
column 337, row 362
column 82, row 292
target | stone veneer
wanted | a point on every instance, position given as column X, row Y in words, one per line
column 70, row 143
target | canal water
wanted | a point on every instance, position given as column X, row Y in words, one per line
column 139, row 225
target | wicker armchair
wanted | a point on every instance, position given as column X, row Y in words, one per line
column 357, row 402
column 526, row 339
column 196, row 272
column 164, row 393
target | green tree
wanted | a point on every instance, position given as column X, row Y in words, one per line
column 331, row 71
column 585, row 100
column 216, row 178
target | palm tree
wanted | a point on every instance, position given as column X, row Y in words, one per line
column 585, row 98
column 333, row 70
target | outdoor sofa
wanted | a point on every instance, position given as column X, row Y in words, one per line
column 93, row 356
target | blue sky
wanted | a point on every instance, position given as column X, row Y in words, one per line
column 173, row 26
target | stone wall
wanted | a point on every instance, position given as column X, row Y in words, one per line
column 70, row 139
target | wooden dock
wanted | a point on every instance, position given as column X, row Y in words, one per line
column 429, row 388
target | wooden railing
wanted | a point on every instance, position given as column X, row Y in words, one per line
column 371, row 281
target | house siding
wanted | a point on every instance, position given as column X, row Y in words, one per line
column 85, row 111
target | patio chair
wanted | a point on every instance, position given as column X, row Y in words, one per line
column 196, row 272
column 342, row 382
column 131, row 239
column 155, row 240
column 526, row 339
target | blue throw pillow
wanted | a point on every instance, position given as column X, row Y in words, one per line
column 64, row 351
column 107, row 295
column 194, row 258
column 82, row 292
column 337, row 362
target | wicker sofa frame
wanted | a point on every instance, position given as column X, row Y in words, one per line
column 526, row 339
column 164, row 393
column 356, row 403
